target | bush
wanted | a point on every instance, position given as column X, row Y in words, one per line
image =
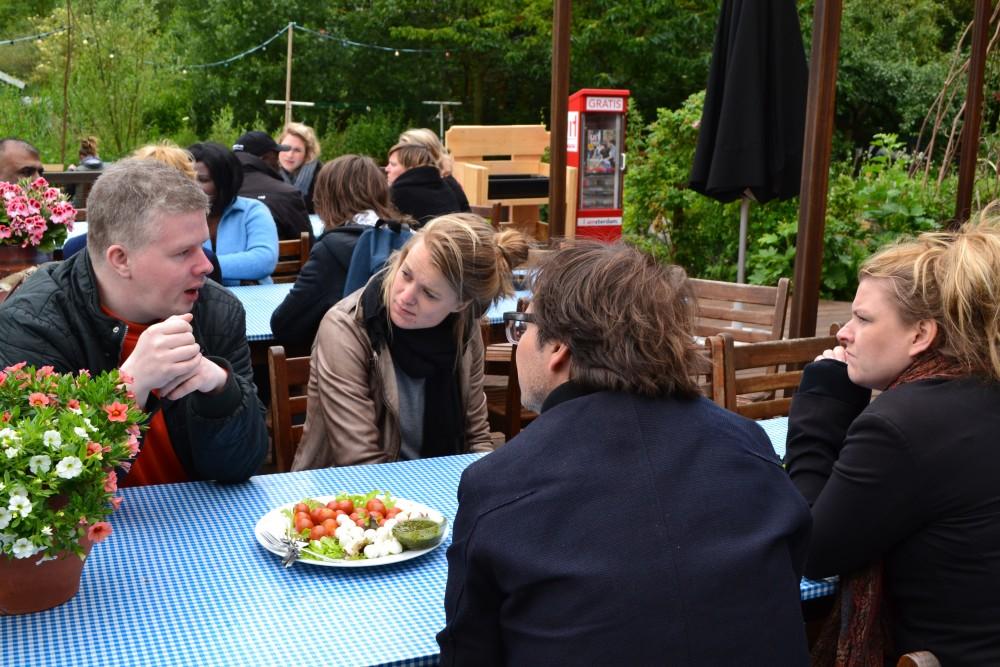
column 372, row 134
column 663, row 216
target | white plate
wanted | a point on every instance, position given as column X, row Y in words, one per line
column 275, row 523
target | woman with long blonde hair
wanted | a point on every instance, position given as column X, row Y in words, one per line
column 904, row 489
column 397, row 367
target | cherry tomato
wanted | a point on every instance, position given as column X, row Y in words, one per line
column 347, row 506
column 317, row 532
column 332, row 504
column 392, row 512
column 331, row 526
column 353, row 516
column 301, row 507
column 326, row 513
column 314, row 514
column 303, row 523
column 361, row 523
column 375, row 505
column 339, row 512
column 378, row 517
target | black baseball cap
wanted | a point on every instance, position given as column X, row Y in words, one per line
column 257, row 143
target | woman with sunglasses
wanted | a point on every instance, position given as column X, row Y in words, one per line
column 397, row 367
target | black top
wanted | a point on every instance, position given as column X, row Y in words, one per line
column 912, row 479
column 320, row 285
column 285, row 202
column 55, row 318
column 422, row 194
column 620, row 530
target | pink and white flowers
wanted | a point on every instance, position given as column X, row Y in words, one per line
column 61, row 439
column 34, row 214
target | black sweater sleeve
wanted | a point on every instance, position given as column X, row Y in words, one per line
column 319, row 286
column 825, row 405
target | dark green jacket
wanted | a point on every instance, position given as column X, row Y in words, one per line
column 55, row 319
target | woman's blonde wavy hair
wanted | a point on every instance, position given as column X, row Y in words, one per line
column 952, row 278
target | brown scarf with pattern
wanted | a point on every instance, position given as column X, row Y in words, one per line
column 857, row 633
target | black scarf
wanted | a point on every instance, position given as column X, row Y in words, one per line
column 431, row 354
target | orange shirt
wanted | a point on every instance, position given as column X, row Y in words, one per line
column 156, row 463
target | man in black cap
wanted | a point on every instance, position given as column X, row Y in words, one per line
column 258, row 153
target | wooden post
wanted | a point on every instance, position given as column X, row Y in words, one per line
column 973, row 114
column 815, row 166
column 561, row 12
column 69, row 53
column 288, row 76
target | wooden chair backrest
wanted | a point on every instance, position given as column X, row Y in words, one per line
column 292, row 256
column 733, row 373
column 289, row 381
column 760, row 310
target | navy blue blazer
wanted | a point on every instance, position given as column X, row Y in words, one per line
column 617, row 529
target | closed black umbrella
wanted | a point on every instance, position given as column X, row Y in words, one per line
column 752, row 124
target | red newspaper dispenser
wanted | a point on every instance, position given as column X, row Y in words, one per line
column 595, row 145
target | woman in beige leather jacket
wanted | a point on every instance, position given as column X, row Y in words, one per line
column 397, row 367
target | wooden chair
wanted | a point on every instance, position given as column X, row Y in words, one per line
column 748, row 313
column 503, row 402
column 292, row 256
column 734, row 376
column 289, row 379
column 918, row 659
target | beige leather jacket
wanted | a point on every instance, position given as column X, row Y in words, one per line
column 352, row 416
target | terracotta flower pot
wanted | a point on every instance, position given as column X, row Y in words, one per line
column 28, row 586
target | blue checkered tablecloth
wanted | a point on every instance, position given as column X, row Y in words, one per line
column 259, row 301
column 182, row 581
column 505, row 305
column 777, row 431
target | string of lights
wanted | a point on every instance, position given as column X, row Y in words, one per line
column 263, row 45
column 348, row 42
column 238, row 56
column 28, row 38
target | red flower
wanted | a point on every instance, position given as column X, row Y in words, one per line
column 116, row 502
column 37, row 399
column 125, row 377
column 111, row 482
column 99, row 531
column 73, row 404
column 45, row 371
column 117, row 412
column 94, row 448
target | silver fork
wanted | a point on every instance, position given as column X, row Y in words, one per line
column 290, row 547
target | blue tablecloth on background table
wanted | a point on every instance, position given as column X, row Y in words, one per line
column 259, row 301
column 182, row 581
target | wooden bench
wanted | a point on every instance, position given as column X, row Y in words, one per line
column 481, row 151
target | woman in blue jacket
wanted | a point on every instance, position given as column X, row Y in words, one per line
column 242, row 232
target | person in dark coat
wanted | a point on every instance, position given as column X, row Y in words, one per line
column 258, row 153
column 634, row 522
column 138, row 300
column 416, row 185
column 904, row 489
column 351, row 197
column 425, row 137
